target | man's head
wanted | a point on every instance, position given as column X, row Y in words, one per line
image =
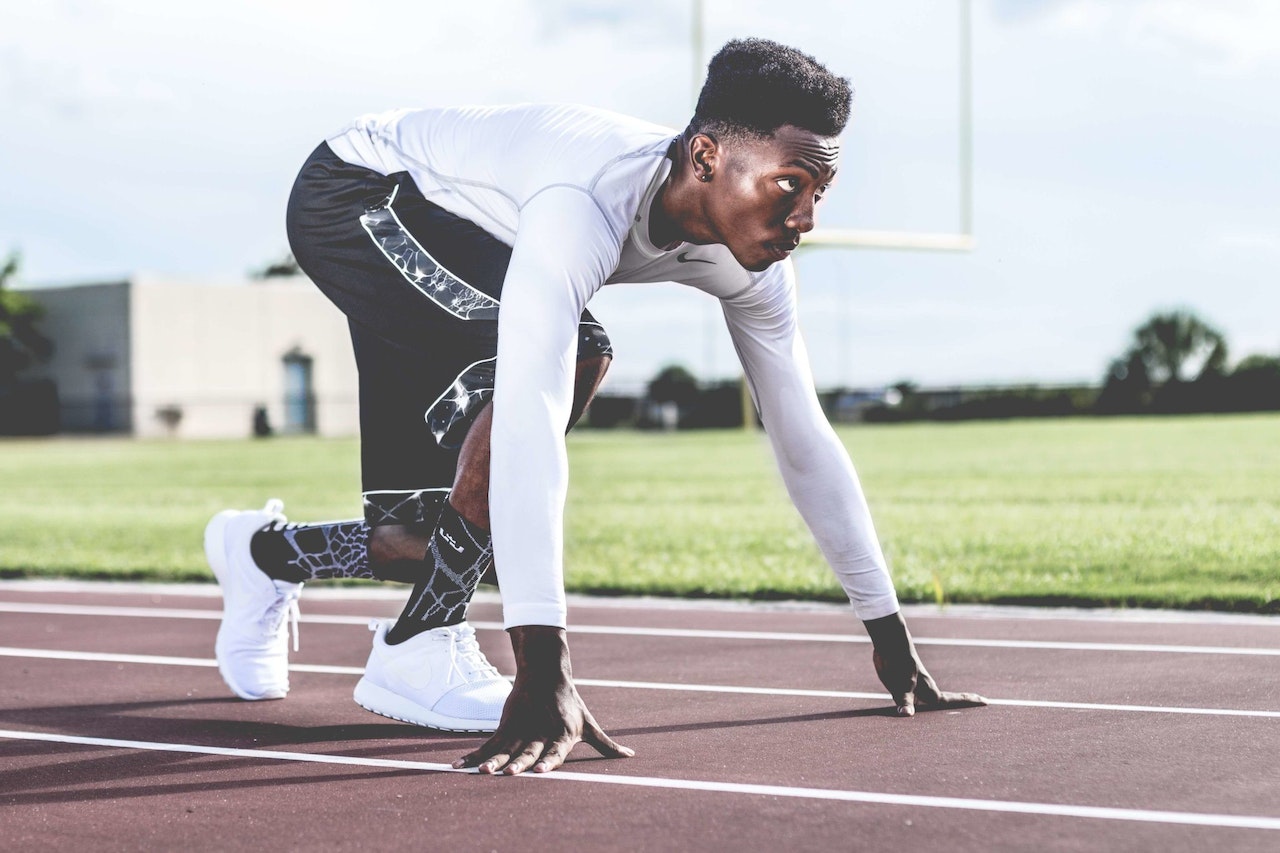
column 761, row 148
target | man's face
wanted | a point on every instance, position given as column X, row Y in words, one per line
column 762, row 192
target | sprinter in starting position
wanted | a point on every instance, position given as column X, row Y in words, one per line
column 463, row 245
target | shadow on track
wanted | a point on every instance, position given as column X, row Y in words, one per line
column 65, row 779
column 888, row 711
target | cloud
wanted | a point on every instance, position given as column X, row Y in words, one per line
column 1230, row 37
column 1226, row 36
column 1268, row 241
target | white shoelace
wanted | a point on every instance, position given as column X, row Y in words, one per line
column 466, row 649
column 286, row 604
column 284, row 607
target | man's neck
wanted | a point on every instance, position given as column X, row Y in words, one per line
column 663, row 231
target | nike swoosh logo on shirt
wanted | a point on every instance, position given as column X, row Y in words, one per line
column 684, row 258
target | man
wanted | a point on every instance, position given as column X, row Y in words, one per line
column 418, row 225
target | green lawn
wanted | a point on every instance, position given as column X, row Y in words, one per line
column 1145, row 511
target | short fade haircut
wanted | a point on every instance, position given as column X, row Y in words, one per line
column 754, row 86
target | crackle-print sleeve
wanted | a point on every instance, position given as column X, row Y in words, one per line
column 564, row 251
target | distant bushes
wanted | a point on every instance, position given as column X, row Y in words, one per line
column 958, row 404
column 29, row 407
column 675, row 405
column 1176, row 363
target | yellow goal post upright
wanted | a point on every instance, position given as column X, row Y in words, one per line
column 961, row 240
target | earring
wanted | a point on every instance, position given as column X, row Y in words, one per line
column 706, row 176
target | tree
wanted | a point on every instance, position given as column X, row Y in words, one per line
column 1176, row 363
column 673, row 384
column 670, row 395
column 21, row 344
column 1172, row 345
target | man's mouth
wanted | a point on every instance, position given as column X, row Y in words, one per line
column 782, row 249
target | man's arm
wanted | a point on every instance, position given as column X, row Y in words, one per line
column 824, row 486
column 815, row 467
column 562, row 254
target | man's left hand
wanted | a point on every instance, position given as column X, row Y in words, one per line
column 901, row 671
column 914, row 688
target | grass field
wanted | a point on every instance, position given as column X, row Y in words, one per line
column 1140, row 512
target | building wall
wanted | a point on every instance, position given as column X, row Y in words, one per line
column 215, row 353
column 161, row 357
column 89, row 327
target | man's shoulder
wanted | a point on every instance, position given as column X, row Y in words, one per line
column 564, row 122
column 599, row 120
column 575, row 129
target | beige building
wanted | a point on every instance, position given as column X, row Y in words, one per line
column 154, row 356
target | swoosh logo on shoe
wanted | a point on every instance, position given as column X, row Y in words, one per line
column 684, row 258
column 413, row 670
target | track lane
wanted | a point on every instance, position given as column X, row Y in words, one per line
column 1048, row 756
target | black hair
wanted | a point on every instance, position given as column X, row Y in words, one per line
column 754, row 86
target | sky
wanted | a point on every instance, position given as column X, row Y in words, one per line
column 1124, row 156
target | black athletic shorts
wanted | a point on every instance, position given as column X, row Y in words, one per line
column 420, row 289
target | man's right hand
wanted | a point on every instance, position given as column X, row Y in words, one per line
column 544, row 717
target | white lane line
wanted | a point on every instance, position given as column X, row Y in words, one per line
column 325, row 669
column 952, row 612
column 871, row 797
column 154, row 612
column 851, row 694
column 677, row 633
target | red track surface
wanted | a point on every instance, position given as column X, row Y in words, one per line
column 837, row 772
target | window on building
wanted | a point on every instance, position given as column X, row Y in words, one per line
column 299, row 395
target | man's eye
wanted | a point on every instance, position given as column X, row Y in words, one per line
column 789, row 185
column 818, row 196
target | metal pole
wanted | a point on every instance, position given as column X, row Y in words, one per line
column 695, row 33
column 966, row 118
column 696, row 30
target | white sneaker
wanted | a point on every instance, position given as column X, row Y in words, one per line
column 253, row 640
column 439, row 679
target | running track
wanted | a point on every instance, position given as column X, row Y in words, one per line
column 756, row 728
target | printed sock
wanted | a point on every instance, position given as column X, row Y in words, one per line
column 457, row 556
column 304, row 552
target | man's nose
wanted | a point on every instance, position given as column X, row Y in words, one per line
column 803, row 217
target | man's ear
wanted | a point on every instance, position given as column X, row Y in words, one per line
column 704, row 156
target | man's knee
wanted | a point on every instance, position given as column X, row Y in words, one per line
column 389, row 543
column 470, row 494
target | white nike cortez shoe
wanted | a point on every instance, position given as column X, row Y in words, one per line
column 439, row 679
column 253, row 640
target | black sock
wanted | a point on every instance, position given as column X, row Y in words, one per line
column 303, row 552
column 456, row 558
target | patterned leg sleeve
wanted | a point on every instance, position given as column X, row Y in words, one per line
column 303, row 552
column 458, row 555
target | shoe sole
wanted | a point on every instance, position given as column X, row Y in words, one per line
column 215, row 553
column 383, row 702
